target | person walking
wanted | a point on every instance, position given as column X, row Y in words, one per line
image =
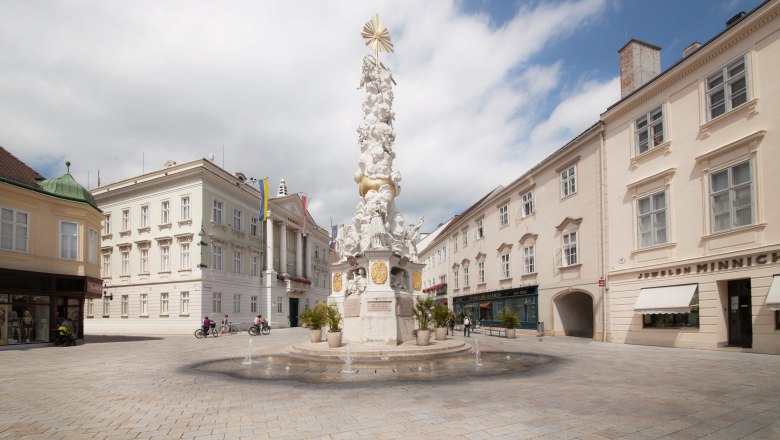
column 451, row 325
column 466, row 326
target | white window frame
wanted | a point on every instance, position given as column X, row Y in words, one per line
column 184, row 256
column 144, row 259
column 726, row 85
column 184, row 303
column 253, row 227
column 106, row 307
column 456, row 278
column 652, row 216
column 570, row 254
column 91, row 307
column 125, row 220
column 106, row 265
column 527, row 204
column 216, row 257
column 480, row 229
column 93, row 246
column 107, row 224
column 15, row 226
column 216, row 211
column 185, row 207
column 144, row 216
column 69, row 243
column 236, row 303
column 254, row 265
column 506, row 268
column 651, row 126
column 216, row 302
column 143, row 305
column 279, row 305
column 466, row 276
column 165, row 212
column 455, row 244
column 481, row 272
column 165, row 258
column 529, row 259
column 125, row 263
column 465, row 237
column 730, row 191
column 503, row 215
column 237, row 261
column 164, row 304
column 237, row 213
column 253, row 304
column 569, row 181
column 125, row 305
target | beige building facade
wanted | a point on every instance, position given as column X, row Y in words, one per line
column 187, row 241
column 49, row 242
column 691, row 164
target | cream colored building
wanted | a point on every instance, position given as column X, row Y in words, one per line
column 434, row 274
column 49, row 242
column 691, row 165
column 534, row 246
column 185, row 242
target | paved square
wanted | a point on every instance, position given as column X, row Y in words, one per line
column 142, row 389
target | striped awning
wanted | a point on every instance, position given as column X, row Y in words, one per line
column 773, row 297
column 671, row 299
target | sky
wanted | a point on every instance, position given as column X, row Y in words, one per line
column 486, row 89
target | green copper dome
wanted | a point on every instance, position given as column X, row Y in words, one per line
column 67, row 187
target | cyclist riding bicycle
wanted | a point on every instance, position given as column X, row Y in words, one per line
column 206, row 325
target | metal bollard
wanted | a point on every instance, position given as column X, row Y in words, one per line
column 540, row 328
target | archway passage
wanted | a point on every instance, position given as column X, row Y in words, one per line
column 575, row 310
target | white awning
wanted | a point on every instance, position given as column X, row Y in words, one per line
column 672, row 299
column 773, row 297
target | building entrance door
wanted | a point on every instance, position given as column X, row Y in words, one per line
column 293, row 312
column 740, row 314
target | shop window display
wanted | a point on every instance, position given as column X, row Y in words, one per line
column 24, row 319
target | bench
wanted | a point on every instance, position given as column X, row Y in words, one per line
column 498, row 330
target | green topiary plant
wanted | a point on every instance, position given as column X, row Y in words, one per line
column 441, row 314
column 315, row 318
column 334, row 318
column 509, row 318
column 422, row 312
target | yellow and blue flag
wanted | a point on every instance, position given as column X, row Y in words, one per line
column 263, row 199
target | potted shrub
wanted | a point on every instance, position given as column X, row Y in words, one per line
column 510, row 320
column 422, row 312
column 315, row 319
column 441, row 314
column 334, row 326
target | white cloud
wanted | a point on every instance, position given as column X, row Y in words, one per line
column 104, row 84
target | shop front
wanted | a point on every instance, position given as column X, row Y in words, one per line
column 486, row 307
column 33, row 305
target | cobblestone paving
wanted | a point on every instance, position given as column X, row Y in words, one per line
column 110, row 388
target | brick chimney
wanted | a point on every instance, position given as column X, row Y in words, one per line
column 639, row 63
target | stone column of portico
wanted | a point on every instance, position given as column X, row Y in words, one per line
column 308, row 257
column 283, row 248
column 298, row 253
column 270, row 274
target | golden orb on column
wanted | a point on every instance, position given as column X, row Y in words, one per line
column 367, row 184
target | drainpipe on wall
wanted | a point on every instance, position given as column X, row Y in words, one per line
column 602, row 219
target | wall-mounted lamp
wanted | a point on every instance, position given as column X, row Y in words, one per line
column 108, row 296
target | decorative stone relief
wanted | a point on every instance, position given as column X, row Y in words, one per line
column 379, row 272
column 337, row 282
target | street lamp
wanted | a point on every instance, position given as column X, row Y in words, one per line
column 202, row 243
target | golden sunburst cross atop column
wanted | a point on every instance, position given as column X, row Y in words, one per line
column 378, row 37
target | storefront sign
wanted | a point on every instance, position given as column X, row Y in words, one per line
column 496, row 294
column 93, row 287
column 715, row 265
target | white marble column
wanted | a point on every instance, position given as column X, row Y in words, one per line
column 283, row 248
column 269, row 243
column 309, row 256
column 298, row 253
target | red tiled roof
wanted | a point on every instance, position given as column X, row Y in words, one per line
column 12, row 168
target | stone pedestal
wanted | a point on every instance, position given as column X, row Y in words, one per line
column 375, row 293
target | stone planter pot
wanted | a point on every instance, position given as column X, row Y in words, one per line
column 441, row 333
column 315, row 335
column 334, row 339
column 423, row 337
column 510, row 333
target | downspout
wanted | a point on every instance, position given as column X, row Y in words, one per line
column 602, row 220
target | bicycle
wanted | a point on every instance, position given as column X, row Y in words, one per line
column 228, row 329
column 199, row 333
column 253, row 330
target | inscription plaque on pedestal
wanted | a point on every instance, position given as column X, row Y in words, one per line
column 379, row 306
column 405, row 306
column 352, row 307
